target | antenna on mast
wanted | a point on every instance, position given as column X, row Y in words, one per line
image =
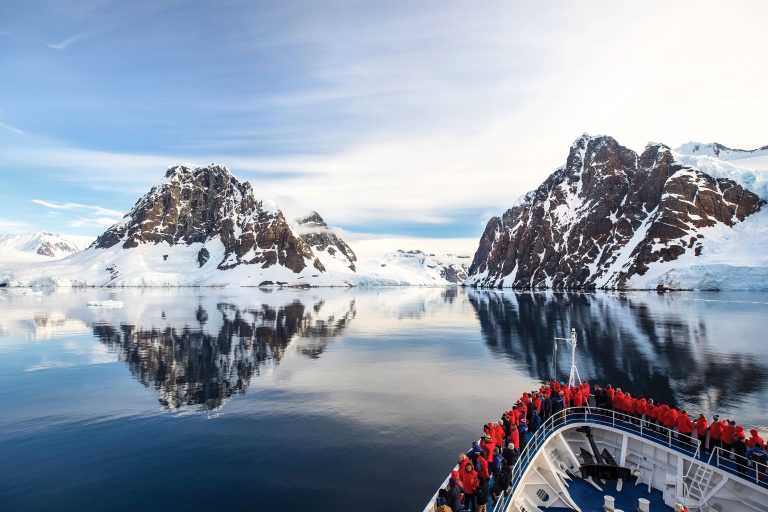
column 573, row 378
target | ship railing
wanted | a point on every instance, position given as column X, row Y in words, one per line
column 739, row 465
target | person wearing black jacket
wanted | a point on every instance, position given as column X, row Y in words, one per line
column 546, row 408
column 454, row 496
column 534, row 423
column 740, row 450
column 557, row 406
column 502, row 483
column 510, row 454
column 482, row 495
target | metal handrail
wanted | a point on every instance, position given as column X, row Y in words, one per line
column 735, row 467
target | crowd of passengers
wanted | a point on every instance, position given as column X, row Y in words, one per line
column 484, row 472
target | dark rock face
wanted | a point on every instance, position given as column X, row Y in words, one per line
column 50, row 249
column 454, row 274
column 203, row 256
column 316, row 233
column 198, row 205
column 453, row 269
column 603, row 218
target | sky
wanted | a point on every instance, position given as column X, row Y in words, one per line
column 404, row 124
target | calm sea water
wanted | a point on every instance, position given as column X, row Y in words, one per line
column 324, row 399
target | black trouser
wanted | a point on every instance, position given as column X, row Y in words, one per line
column 470, row 501
column 741, row 466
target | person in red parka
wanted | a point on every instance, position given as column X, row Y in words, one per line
column 577, row 398
column 469, row 483
column 685, row 428
column 755, row 440
column 618, row 400
column 498, row 434
column 726, row 436
column 650, row 413
column 701, row 431
column 488, row 446
column 481, row 466
column 715, row 433
column 537, row 403
column 672, row 415
column 514, row 437
column 640, row 407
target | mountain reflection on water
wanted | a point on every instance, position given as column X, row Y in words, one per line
column 96, row 400
column 652, row 345
column 192, row 366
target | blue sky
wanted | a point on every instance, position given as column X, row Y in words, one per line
column 398, row 118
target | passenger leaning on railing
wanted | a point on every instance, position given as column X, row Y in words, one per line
column 685, row 428
column 701, row 430
column 754, row 439
column 715, row 432
column 759, row 456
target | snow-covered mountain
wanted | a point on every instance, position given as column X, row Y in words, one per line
column 331, row 250
column 197, row 227
column 40, row 246
column 413, row 268
column 203, row 227
column 612, row 218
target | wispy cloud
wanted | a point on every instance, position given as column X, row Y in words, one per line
column 92, row 222
column 11, row 128
column 64, row 43
column 13, row 226
column 101, row 217
column 98, row 210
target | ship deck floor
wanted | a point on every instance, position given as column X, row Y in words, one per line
column 591, row 500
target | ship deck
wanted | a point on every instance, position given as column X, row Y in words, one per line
column 591, row 500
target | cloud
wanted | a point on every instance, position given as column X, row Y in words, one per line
column 13, row 226
column 436, row 113
column 11, row 128
column 63, row 44
column 102, row 217
column 101, row 222
column 98, row 210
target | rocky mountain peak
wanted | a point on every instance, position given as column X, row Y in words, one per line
column 312, row 220
column 330, row 248
column 207, row 204
column 718, row 150
column 604, row 217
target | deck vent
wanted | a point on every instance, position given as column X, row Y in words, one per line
column 542, row 494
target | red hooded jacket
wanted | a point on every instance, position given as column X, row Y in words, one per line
column 467, row 479
column 684, row 424
column 755, row 439
column 701, row 425
column 726, row 434
column 716, row 430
